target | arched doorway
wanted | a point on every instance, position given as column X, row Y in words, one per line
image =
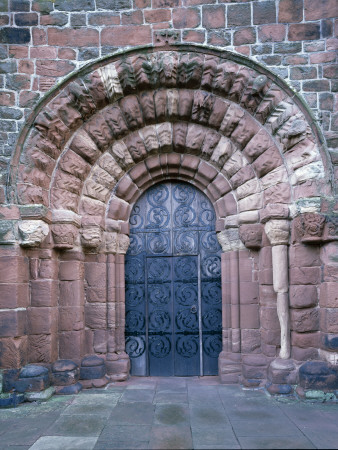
column 173, row 284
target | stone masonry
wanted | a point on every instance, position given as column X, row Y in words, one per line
column 237, row 98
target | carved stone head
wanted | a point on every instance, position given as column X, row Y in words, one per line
column 91, row 236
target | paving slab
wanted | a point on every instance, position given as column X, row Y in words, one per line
column 170, row 437
column 275, row 442
column 170, row 413
column 137, row 413
column 138, row 395
column 77, row 425
column 64, row 443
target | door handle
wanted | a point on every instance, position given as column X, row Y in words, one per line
column 193, row 309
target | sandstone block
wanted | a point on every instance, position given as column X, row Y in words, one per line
column 71, row 270
column 249, row 316
column 12, row 323
column 71, row 318
column 305, row 340
column 44, row 293
column 305, row 275
column 13, row 269
column 303, row 320
column 42, row 320
column 71, row 293
column 329, row 320
column 13, row 352
column 14, row 295
column 70, row 345
column 328, row 295
column 303, row 296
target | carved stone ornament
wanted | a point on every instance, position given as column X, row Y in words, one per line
column 32, row 232
column 111, row 82
column 91, row 236
column 278, row 232
column 332, row 228
column 64, row 235
column 229, row 240
column 123, row 243
column 111, row 242
column 166, row 37
column 310, row 227
column 251, row 235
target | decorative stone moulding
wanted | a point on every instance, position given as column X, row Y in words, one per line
column 310, row 227
column 278, row 231
column 229, row 240
column 91, row 236
column 65, row 228
column 7, row 234
column 32, row 232
column 116, row 243
column 251, row 235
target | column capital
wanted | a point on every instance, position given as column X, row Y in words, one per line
column 278, row 231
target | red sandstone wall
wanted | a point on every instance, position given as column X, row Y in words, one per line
column 42, row 41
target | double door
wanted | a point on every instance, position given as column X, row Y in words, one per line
column 173, row 285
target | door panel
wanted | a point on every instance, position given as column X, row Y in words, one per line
column 173, row 284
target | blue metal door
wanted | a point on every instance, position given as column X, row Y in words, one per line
column 173, row 284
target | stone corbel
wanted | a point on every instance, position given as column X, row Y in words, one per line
column 32, row 232
column 65, row 228
column 277, row 232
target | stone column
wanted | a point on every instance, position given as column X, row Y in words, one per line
column 230, row 358
column 117, row 361
column 278, row 235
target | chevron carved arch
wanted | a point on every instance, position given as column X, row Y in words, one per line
column 251, row 139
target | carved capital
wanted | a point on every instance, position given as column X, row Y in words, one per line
column 32, row 232
column 278, row 232
column 229, row 240
column 64, row 235
column 91, row 236
column 310, row 227
column 251, row 235
column 117, row 243
column 65, row 228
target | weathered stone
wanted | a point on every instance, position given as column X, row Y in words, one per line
column 33, row 371
column 41, row 396
column 68, row 390
column 33, row 232
column 318, row 375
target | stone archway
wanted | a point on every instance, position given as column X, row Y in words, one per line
column 214, row 119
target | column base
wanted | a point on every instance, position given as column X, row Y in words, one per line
column 118, row 366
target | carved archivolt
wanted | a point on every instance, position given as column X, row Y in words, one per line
column 233, row 130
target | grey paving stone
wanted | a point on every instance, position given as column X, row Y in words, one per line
column 270, row 427
column 171, row 397
column 125, row 433
column 133, row 414
column 275, row 442
column 99, row 409
column 172, row 437
column 150, row 386
column 212, row 436
column 98, row 399
column 138, row 395
column 77, row 425
column 121, row 445
column 172, row 414
column 207, row 415
column 323, row 440
column 25, row 430
column 64, row 443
